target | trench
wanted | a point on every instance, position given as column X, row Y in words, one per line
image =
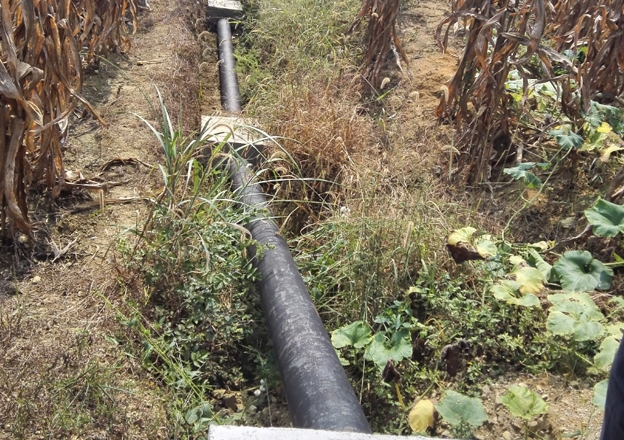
column 318, row 392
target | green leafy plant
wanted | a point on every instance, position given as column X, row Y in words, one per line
column 579, row 271
column 607, row 218
column 379, row 348
column 191, row 257
column 524, row 403
column 600, row 393
column 463, row 413
column 522, row 172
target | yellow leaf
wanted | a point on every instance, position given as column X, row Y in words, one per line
column 530, row 280
column 605, row 153
column 422, row 416
column 604, row 128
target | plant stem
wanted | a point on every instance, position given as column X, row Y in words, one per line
column 528, row 203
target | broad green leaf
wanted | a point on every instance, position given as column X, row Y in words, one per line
column 579, row 271
column 521, row 172
column 541, row 245
column 422, row 416
column 508, row 291
column 567, row 138
column 594, row 141
column 529, row 279
column 576, row 315
column 397, row 348
column 577, row 303
column 615, row 329
column 462, row 235
column 356, row 334
column 523, row 402
column 528, row 300
column 560, row 324
column 605, row 356
column 486, row 248
column 457, row 409
column 606, row 217
column 600, row 394
column 505, row 288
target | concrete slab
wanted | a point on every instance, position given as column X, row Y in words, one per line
column 237, row 132
column 216, row 432
column 231, row 129
column 224, row 9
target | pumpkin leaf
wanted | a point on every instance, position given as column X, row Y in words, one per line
column 422, row 416
column 567, row 138
column 508, row 290
column 521, row 172
column 605, row 356
column 600, row 394
column 575, row 315
column 457, row 409
column 486, row 248
column 579, row 271
column 523, row 402
column 356, row 334
column 607, row 218
column 397, row 348
column 462, row 235
column 529, row 279
column 541, row 265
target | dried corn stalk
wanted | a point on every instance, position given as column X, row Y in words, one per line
column 513, row 34
column 40, row 84
column 381, row 36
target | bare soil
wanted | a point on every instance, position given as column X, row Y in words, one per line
column 60, row 335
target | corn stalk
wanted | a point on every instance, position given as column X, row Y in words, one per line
column 40, row 85
column 381, row 36
column 532, row 37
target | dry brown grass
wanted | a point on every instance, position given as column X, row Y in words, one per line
column 61, row 375
column 321, row 128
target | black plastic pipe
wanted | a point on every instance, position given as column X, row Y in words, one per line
column 230, row 95
column 317, row 389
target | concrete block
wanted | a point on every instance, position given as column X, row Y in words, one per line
column 224, row 9
column 236, row 132
column 217, row 432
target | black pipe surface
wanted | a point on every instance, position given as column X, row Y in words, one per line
column 317, row 389
column 230, row 95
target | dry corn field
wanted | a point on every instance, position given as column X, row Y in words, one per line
column 577, row 45
column 44, row 45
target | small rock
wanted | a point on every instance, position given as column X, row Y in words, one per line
column 485, row 390
column 36, row 279
column 507, row 435
column 574, row 384
column 545, row 397
column 498, row 399
column 252, row 410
